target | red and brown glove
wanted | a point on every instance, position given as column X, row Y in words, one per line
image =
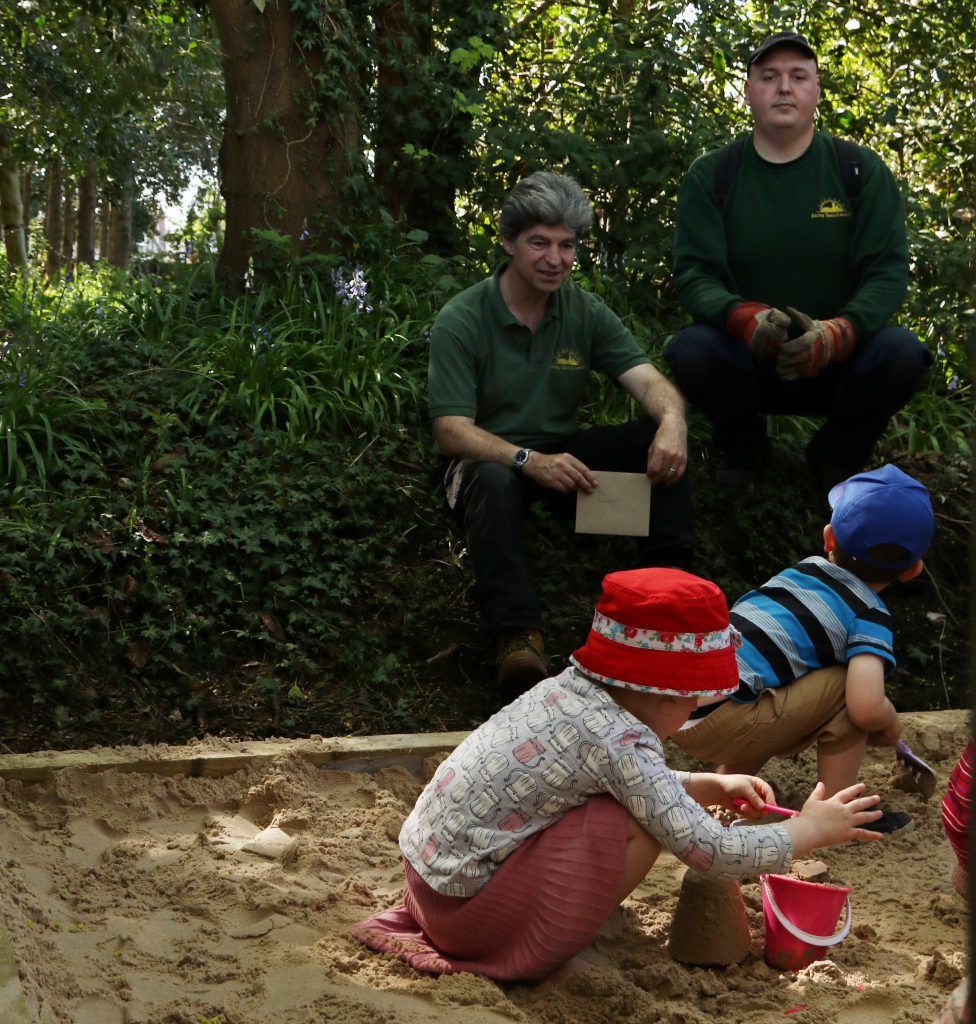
column 819, row 343
column 762, row 328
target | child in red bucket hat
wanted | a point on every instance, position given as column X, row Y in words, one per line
column 551, row 812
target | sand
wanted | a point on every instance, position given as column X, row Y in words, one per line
column 135, row 898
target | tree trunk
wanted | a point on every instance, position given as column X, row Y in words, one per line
column 396, row 33
column 104, row 225
column 53, row 224
column 12, row 208
column 416, row 107
column 86, row 215
column 120, row 232
column 25, row 191
column 279, row 172
column 68, row 238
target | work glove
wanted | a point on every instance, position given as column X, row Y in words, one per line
column 762, row 328
column 819, row 343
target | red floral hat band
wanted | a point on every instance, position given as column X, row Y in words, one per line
column 661, row 630
column 658, row 640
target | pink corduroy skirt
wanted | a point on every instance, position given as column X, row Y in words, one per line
column 544, row 904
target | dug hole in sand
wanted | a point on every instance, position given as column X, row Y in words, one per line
column 129, row 897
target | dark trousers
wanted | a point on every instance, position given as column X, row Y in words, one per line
column 718, row 375
column 491, row 502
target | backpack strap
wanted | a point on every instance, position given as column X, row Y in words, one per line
column 727, row 168
column 849, row 164
column 730, row 156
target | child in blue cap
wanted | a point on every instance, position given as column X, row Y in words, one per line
column 817, row 644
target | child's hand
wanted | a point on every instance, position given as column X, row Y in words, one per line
column 886, row 737
column 710, row 788
column 756, row 792
column 836, row 820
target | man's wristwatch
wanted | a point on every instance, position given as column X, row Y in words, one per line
column 520, row 458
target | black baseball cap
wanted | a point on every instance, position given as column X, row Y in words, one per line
column 780, row 39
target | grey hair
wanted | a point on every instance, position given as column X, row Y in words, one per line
column 545, row 198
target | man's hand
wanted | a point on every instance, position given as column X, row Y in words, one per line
column 460, row 438
column 661, row 402
column 763, row 328
column 819, row 343
column 667, row 458
column 562, row 472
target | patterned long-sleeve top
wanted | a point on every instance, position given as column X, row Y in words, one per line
column 550, row 750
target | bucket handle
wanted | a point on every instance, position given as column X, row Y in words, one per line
column 799, row 933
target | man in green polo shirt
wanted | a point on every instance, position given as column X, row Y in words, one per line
column 792, row 259
column 509, row 360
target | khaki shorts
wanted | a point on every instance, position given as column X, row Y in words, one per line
column 785, row 720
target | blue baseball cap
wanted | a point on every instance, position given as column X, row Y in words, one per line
column 882, row 506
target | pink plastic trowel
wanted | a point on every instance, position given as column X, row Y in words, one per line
column 786, row 812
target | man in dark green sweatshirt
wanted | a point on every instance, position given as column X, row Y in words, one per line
column 792, row 262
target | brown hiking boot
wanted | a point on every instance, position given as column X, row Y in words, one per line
column 521, row 659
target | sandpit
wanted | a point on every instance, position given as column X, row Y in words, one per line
column 130, row 897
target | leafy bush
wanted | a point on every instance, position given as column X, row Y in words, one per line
column 232, row 525
column 43, row 415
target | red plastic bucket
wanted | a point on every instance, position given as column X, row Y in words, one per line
column 801, row 918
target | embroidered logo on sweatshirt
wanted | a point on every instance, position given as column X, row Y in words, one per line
column 830, row 209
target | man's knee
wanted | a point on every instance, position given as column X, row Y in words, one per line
column 490, row 481
column 896, row 358
column 711, row 368
column 691, row 352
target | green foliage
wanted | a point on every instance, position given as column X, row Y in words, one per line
column 243, row 539
column 226, row 504
column 452, row 103
column 133, row 88
column 44, row 418
column 235, row 509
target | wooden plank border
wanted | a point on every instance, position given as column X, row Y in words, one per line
column 216, row 757
column 352, row 753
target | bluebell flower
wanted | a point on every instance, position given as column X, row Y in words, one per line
column 352, row 290
column 261, row 337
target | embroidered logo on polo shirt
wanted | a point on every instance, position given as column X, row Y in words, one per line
column 830, row 209
column 567, row 359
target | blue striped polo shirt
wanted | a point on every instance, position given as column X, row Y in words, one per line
column 810, row 616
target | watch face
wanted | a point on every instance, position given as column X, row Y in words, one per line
column 520, row 458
